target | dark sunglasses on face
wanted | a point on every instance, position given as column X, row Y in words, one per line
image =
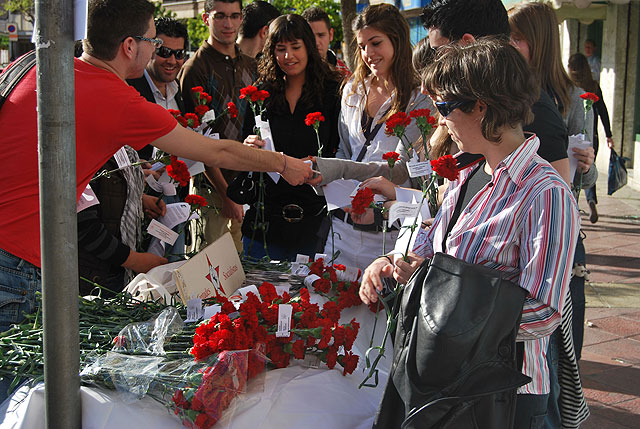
column 165, row 52
column 446, row 107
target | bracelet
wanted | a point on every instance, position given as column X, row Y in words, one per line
column 284, row 158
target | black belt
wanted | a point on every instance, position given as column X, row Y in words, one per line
column 346, row 217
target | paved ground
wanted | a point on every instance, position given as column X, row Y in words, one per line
column 610, row 364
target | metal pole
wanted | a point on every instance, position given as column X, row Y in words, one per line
column 58, row 226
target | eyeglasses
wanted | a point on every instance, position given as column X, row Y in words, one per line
column 165, row 52
column 446, row 107
column 221, row 16
column 156, row 42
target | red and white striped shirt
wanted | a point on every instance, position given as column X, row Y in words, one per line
column 525, row 223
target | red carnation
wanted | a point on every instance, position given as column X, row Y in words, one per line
column 332, row 357
column 314, row 119
column 182, row 121
column 420, row 113
column 195, row 200
column 178, row 171
column 197, row 89
column 298, row 349
column 349, row 363
column 201, row 109
column 590, row 96
column 192, row 120
column 339, row 267
column 397, row 123
column 391, row 158
column 247, row 91
column 233, row 110
column 445, row 166
column 361, row 200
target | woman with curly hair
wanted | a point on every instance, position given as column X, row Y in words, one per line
column 299, row 82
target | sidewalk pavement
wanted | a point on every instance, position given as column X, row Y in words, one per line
column 610, row 364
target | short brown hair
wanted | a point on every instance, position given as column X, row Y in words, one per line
column 109, row 22
column 490, row 70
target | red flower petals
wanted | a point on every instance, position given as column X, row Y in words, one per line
column 445, row 166
column 313, row 119
column 361, row 200
column 195, row 200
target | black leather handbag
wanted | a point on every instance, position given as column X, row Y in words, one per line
column 244, row 188
column 454, row 363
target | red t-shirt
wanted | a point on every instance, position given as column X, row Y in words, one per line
column 109, row 114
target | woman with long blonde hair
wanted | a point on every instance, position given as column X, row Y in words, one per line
column 384, row 82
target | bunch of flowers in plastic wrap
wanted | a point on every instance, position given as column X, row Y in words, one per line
column 313, row 331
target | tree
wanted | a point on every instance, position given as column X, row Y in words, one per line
column 348, row 15
column 330, row 6
column 24, row 7
column 162, row 12
column 197, row 31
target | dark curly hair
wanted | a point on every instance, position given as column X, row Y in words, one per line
column 271, row 77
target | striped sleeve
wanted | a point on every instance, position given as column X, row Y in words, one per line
column 546, row 260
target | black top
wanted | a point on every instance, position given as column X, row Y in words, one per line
column 549, row 126
column 600, row 109
column 293, row 137
column 474, row 183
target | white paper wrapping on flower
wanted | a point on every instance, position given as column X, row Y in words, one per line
column 296, row 396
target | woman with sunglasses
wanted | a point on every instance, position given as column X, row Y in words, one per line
column 299, row 82
column 384, row 82
column 512, row 212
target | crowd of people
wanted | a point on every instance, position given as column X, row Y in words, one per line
column 494, row 78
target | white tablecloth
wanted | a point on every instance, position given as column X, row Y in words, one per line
column 296, row 396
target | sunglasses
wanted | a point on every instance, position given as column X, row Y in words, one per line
column 155, row 42
column 165, row 52
column 446, row 107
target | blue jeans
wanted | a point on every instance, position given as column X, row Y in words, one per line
column 19, row 281
column 280, row 253
column 531, row 411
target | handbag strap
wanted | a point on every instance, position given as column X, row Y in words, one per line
column 368, row 133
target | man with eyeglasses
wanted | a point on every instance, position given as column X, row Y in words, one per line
column 158, row 83
column 222, row 70
column 121, row 38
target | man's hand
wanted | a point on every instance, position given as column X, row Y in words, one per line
column 231, row 210
column 404, row 269
column 153, row 206
column 296, row 171
column 143, row 262
column 366, row 218
column 372, row 279
column 585, row 158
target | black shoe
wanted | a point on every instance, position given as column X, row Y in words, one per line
column 593, row 218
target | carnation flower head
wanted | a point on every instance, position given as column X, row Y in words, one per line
column 361, row 200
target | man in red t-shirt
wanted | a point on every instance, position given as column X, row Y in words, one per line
column 109, row 114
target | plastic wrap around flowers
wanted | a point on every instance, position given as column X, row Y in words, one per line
column 314, row 331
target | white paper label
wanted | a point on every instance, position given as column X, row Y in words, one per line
column 156, row 247
column 282, row 289
column 243, row 291
column 161, row 232
column 87, row 199
column 157, row 166
column 153, row 183
column 419, row 169
column 302, row 259
column 308, row 281
column 298, row 269
column 320, row 255
column 403, row 210
column 169, row 189
column 284, row 320
column 350, row 274
column 576, row 141
column 210, row 311
column 194, row 310
column 122, row 159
